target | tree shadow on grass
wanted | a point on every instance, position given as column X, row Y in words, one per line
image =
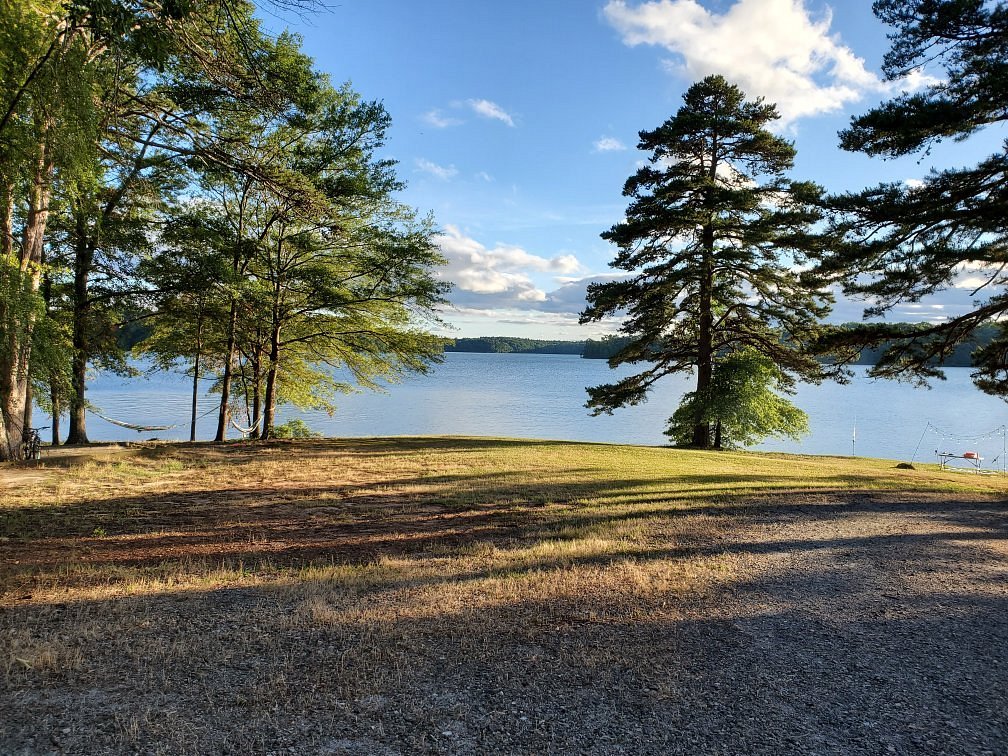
column 823, row 652
column 357, row 524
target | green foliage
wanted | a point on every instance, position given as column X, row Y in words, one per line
column 20, row 304
column 711, row 238
column 605, row 348
column 900, row 243
column 187, row 277
column 326, row 272
column 296, row 428
column 512, row 344
column 741, row 404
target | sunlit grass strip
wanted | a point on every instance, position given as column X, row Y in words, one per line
column 570, row 503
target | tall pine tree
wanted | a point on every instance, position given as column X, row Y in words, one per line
column 712, row 236
column 904, row 243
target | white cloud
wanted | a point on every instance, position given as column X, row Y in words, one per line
column 942, row 305
column 502, row 275
column 770, row 48
column 439, row 171
column 439, row 120
column 536, row 324
column 492, row 110
column 915, row 80
column 485, row 176
column 609, row 144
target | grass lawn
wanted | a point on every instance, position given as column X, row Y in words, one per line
column 364, row 595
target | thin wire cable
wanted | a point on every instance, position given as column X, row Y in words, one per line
column 919, row 442
column 987, row 435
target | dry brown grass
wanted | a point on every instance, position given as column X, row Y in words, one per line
column 303, row 576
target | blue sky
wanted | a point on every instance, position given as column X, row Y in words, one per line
column 515, row 123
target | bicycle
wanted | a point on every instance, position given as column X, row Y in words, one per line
column 31, row 443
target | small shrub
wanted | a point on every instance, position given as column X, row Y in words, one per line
column 296, row 428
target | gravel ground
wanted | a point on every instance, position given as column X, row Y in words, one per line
column 875, row 625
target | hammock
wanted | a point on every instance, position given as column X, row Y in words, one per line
column 246, row 431
column 145, row 428
column 131, row 426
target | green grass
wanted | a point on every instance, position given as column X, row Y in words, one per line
column 354, row 500
column 178, row 514
column 368, row 565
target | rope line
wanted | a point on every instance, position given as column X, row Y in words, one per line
column 1001, row 431
column 995, row 433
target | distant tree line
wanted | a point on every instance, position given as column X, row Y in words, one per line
column 513, row 345
column 609, row 346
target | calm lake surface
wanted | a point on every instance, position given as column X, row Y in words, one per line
column 542, row 396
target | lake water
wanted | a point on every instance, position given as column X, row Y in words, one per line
column 542, row 396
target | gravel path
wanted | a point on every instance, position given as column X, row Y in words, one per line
column 872, row 626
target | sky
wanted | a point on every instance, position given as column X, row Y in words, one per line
column 515, row 124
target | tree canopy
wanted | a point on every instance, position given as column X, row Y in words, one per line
column 711, row 239
column 903, row 243
column 171, row 163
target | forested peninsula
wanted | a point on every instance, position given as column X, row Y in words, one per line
column 607, row 346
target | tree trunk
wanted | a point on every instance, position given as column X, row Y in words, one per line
column 195, row 397
column 269, row 408
column 6, row 217
column 196, row 374
column 717, row 435
column 57, row 409
column 224, row 414
column 18, row 320
column 256, row 392
column 83, row 260
column 54, row 390
column 29, row 405
column 8, row 277
column 705, row 338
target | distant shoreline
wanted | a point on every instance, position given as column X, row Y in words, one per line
column 603, row 349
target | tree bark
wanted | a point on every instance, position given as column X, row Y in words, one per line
column 195, row 397
column 57, row 409
column 224, row 414
column 55, row 399
column 6, row 217
column 18, row 321
column 83, row 260
column 705, row 338
column 29, row 405
column 196, row 374
column 256, row 392
column 236, row 267
column 269, row 408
